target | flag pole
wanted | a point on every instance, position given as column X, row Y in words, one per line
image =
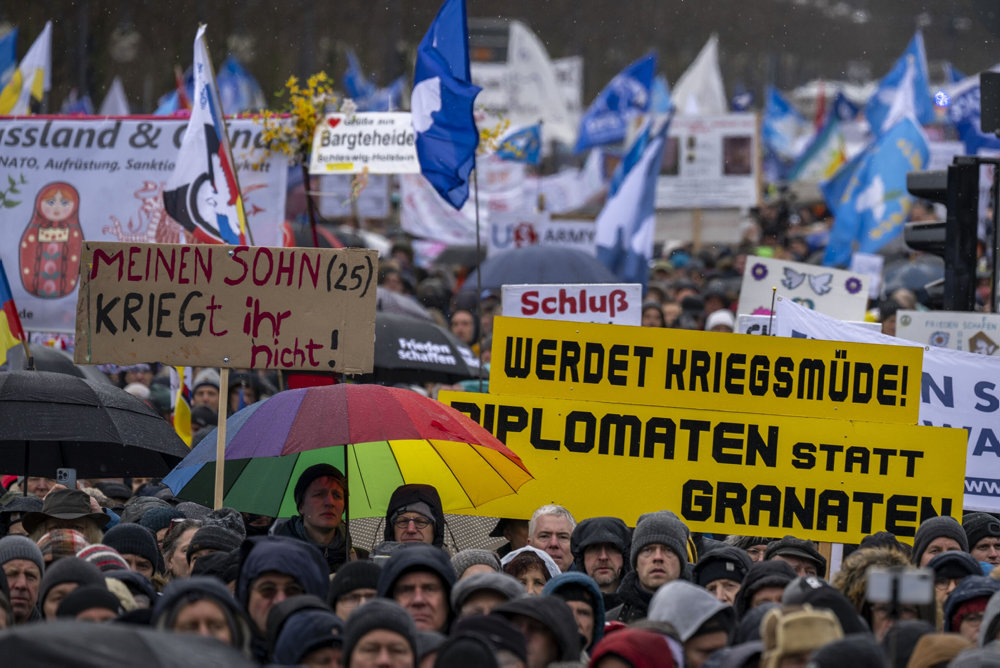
column 220, row 436
column 479, row 274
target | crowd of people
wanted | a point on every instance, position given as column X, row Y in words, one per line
column 297, row 591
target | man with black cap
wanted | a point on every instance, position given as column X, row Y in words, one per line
column 658, row 555
column 320, row 496
column 419, row 577
column 548, row 625
column 798, row 553
column 983, row 532
column 354, row 583
column 414, row 515
column 721, row 572
column 600, row 547
column 380, row 633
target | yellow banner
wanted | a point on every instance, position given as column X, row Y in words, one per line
column 675, row 367
column 762, row 475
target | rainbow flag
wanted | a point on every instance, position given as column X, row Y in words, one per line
column 11, row 332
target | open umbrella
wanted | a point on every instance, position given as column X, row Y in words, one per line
column 410, row 350
column 52, row 420
column 539, row 264
column 47, row 358
column 89, row 645
column 388, row 301
column 390, row 436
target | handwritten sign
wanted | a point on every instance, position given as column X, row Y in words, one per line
column 237, row 306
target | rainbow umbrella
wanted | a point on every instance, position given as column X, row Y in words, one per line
column 380, row 437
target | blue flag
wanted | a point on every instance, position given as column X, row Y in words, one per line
column 441, row 105
column 522, row 145
column 844, row 109
column 659, row 97
column 625, row 226
column 389, row 98
column 782, row 125
column 238, row 90
column 964, row 112
column 952, row 74
column 8, row 56
column 906, row 87
column 356, row 84
column 625, row 97
column 868, row 197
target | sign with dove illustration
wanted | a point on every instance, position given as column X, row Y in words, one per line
column 833, row 292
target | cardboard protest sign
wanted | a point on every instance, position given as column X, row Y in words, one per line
column 235, row 306
column 834, row 292
column 971, row 332
column 710, row 162
column 723, row 472
column 693, row 369
column 109, row 174
column 379, row 142
column 608, row 303
column 958, row 390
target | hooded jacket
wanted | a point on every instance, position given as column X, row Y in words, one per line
column 598, row 530
column 334, row 553
column 970, row 588
column 554, row 614
column 687, row 606
column 991, row 621
column 179, row 593
column 410, row 494
column 634, row 601
column 762, row 574
column 811, row 590
column 562, row 580
column 852, row 578
column 415, row 557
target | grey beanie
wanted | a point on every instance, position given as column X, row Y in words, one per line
column 466, row 558
column 938, row 527
column 661, row 527
column 21, row 547
column 501, row 583
column 378, row 613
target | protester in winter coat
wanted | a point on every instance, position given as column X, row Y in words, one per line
column 965, row 607
column 584, row 598
column 470, row 562
column 380, row 625
column 548, row 624
column 303, row 630
column 419, row 577
column 551, row 529
column 479, row 594
column 354, row 583
column 824, row 596
column 63, row 577
column 703, row 622
column 638, row 648
column 414, row 515
column 983, row 533
column 530, row 566
column 202, row 606
column 800, row 554
column 600, row 548
column 852, row 581
column 764, row 582
column 138, row 547
column 721, row 571
column 23, row 566
column 320, row 496
column 950, row 568
column 791, row 634
column 936, row 535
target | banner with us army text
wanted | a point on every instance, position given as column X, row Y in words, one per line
column 66, row 180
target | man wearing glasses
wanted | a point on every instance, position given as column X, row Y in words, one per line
column 414, row 515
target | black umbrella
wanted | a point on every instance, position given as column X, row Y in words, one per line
column 463, row 256
column 388, row 301
column 86, row 645
column 53, row 420
column 47, row 358
column 408, row 350
column 539, row 264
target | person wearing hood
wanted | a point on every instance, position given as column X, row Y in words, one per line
column 989, row 630
column 703, row 622
column 320, row 496
column 272, row 569
column 302, row 630
column 530, row 566
column 415, row 515
column 548, row 625
column 791, row 635
column 600, row 547
column 765, row 582
column 821, row 595
column 658, row 555
column 950, row 568
column 637, row 647
column 479, row 594
column 419, row 577
column 584, row 598
column 964, row 609
column 721, row 572
column 202, row 606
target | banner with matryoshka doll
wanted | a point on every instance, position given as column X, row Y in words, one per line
column 65, row 179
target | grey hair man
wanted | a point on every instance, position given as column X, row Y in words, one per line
column 550, row 529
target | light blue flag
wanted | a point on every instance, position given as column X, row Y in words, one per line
column 782, row 125
column 239, row 92
column 389, row 98
column 625, row 97
column 8, row 56
column 952, row 74
column 964, row 113
column 659, row 96
column 441, row 105
column 356, row 84
column 625, row 226
column 906, row 86
column 868, row 197
column 844, row 109
column 522, row 145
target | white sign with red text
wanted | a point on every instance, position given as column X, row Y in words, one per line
column 610, row 303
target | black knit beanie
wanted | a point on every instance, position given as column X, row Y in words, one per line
column 87, row 597
column 215, row 538
column 378, row 613
column 353, row 575
column 978, row 526
column 135, row 539
column 937, row 527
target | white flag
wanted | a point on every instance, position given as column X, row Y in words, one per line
column 115, row 103
column 535, row 94
column 699, row 91
column 32, row 79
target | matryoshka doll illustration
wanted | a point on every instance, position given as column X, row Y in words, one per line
column 51, row 244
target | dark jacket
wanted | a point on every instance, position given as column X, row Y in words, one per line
column 571, row 578
column 598, row 530
column 634, row 601
column 554, row 614
column 335, row 552
column 762, row 574
column 970, row 588
column 179, row 593
column 408, row 494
